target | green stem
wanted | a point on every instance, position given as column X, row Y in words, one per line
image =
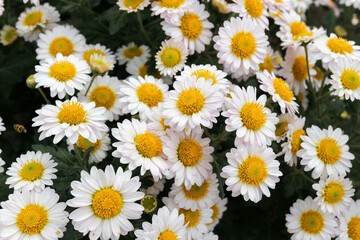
column 326, row 94
column 79, row 157
column 323, row 81
column 143, row 30
column 302, row 173
column 44, row 96
column 308, row 72
column 206, row 131
column 92, row 80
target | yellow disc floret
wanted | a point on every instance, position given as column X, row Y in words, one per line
column 243, row 45
column 333, row 193
column 103, row 96
column 171, row 3
column 72, row 113
column 32, row 171
column 62, row 71
column 283, row 89
column 253, row 171
column 150, row 94
column 189, row 152
column 87, row 54
column 191, row 217
column 339, row 45
column 107, row 203
column 132, row 52
column 167, row 235
column 84, row 144
column 196, row 192
column 268, row 64
column 171, row 57
column 32, row 219
column 190, row 101
column 281, row 128
column 253, row 116
column 148, row 144
column 296, row 140
column 354, row 228
column 350, row 79
column 191, row 26
column 299, row 69
column 61, row 45
column 215, row 215
column 254, row 7
column 132, row 3
column 33, row 18
column 205, row 74
column 328, row 151
column 311, row 222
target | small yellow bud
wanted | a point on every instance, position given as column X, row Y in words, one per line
column 30, row 82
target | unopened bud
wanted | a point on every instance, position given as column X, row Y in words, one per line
column 30, row 82
column 149, row 202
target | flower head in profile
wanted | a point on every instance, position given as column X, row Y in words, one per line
column 101, row 64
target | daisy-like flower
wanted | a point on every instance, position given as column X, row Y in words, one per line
column 195, row 221
column 293, row 143
column 218, row 210
column 101, row 146
column 71, row 119
column 294, row 69
column 98, row 49
column 279, row 90
column 254, row 123
column 2, row 163
column 251, row 9
column 132, row 6
column 128, row 52
column 137, row 67
column 33, row 215
column 252, row 170
column 221, row 5
column 191, row 28
column 325, row 152
column 156, row 188
column 101, row 64
column 197, row 197
column 169, row 9
column 104, row 91
column 155, row 121
column 104, row 202
column 165, row 224
column 2, row 127
column 334, row 48
column 171, row 57
column 36, row 19
column 141, row 95
column 138, row 146
column 8, row 35
column 189, row 158
column 31, row 171
column 334, row 194
column 345, row 79
column 349, row 222
column 62, row 39
column 192, row 103
column 62, row 75
column 307, row 221
column 270, row 63
column 282, row 127
column 300, row 6
column 241, row 45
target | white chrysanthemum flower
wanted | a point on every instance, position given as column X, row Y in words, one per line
column 193, row 103
column 141, row 95
column 2, row 127
column 293, row 143
column 104, row 202
column 2, row 163
column 254, row 123
column 188, row 157
column 198, row 196
column 294, row 68
column 325, row 152
column 251, row 9
column 8, row 35
column 334, row 194
column 208, row 72
column 132, row 6
column 282, row 127
column 32, row 171
column 209, row 236
column 166, row 225
column 195, row 221
column 101, row 64
column 191, row 28
column 35, row 20
column 241, row 45
column 33, row 215
column 218, row 210
column 345, row 79
column 349, row 222
column 35, row 2
column 171, row 57
column 128, row 52
column 156, row 188
column 252, row 170
column 137, row 67
column 300, row 6
column 71, row 119
column 307, row 221
column 170, row 9
column 138, row 146
column 270, row 62
column 318, row 77
column 279, row 90
column 334, row 49
column 101, row 146
column 62, row 75
column 64, row 39
column 98, row 49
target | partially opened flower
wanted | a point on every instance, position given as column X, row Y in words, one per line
column 8, row 35
column 101, row 64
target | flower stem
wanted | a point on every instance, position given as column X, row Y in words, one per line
column 79, row 157
column 308, row 72
column 44, row 96
column 143, row 30
column 92, row 80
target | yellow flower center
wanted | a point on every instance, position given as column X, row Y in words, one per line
column 132, row 52
column 311, row 222
column 150, row 94
column 281, row 128
column 196, row 192
column 350, row 79
column 191, row 26
column 253, row 116
column 171, row 57
column 205, row 74
column 167, row 235
column 215, row 215
column 268, row 64
column 148, row 144
column 319, row 74
column 107, row 203
column 253, row 171
column 87, row 54
column 32, row 18
column 254, row 7
column 163, row 125
column 103, row 96
column 72, row 113
column 339, row 45
column 132, row 3
column 354, row 228
column 32, row 219
column 61, row 45
column 143, row 70
column 283, row 89
column 243, row 45
column 189, row 152
column 62, row 71
column 328, row 151
column 32, row 171
column 191, row 217
column 296, row 140
column 190, row 101
column 299, row 69
column 84, row 144
column 299, row 29
column 171, row 3
column 333, row 193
